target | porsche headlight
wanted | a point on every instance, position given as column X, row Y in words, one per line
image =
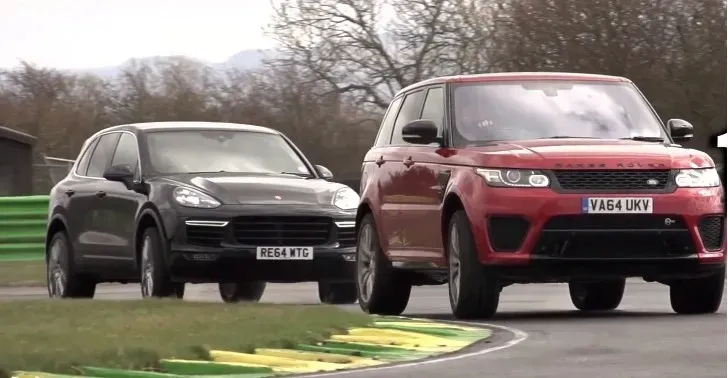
column 697, row 178
column 519, row 178
column 194, row 198
column 346, row 199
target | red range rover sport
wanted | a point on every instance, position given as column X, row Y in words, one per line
column 490, row 180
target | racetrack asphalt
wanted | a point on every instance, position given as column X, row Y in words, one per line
column 644, row 338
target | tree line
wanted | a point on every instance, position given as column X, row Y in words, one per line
column 339, row 62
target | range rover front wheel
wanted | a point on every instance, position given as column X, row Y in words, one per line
column 381, row 290
column 473, row 293
column 698, row 295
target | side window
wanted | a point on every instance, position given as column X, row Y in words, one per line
column 127, row 152
column 86, row 157
column 410, row 111
column 385, row 130
column 102, row 155
column 434, row 109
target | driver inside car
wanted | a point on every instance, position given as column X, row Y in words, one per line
column 479, row 119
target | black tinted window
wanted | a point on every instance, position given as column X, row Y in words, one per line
column 86, row 158
column 126, row 151
column 385, row 130
column 102, row 155
column 410, row 111
column 434, row 109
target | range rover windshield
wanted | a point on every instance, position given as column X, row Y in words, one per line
column 510, row 111
column 210, row 151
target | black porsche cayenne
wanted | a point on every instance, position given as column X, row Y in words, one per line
column 165, row 204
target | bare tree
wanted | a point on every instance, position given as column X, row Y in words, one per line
column 88, row 110
column 697, row 74
column 133, row 96
column 373, row 48
column 340, row 62
column 185, row 89
column 310, row 114
column 37, row 90
column 674, row 50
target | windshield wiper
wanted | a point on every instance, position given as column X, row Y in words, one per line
column 486, row 143
column 570, row 137
column 490, row 142
column 645, row 139
column 203, row 172
column 299, row 174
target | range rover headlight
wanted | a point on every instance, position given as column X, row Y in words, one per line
column 194, row 198
column 346, row 199
column 697, row 178
column 519, row 178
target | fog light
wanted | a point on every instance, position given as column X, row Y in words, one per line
column 538, row 181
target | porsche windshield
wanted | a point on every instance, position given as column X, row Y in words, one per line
column 551, row 109
column 202, row 151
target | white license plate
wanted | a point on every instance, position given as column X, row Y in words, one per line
column 284, row 253
column 637, row 205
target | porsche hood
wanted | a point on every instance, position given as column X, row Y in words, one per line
column 234, row 189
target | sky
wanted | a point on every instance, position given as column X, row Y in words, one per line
column 72, row 34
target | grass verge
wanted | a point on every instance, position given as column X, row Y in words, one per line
column 55, row 336
column 22, row 273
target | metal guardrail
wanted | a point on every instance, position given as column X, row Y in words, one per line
column 23, row 220
column 58, row 168
column 61, row 161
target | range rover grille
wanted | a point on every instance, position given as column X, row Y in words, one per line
column 613, row 180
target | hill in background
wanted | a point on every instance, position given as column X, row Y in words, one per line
column 244, row 60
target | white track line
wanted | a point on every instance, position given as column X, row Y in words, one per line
column 519, row 336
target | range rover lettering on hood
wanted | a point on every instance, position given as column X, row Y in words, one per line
column 604, row 166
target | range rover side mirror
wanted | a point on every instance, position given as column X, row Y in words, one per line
column 325, row 173
column 420, row 131
column 680, row 130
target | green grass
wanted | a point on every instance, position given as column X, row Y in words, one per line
column 54, row 336
column 22, row 273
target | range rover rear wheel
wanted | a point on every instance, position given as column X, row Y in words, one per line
column 473, row 293
column 698, row 296
column 597, row 296
column 380, row 289
column 244, row 291
column 337, row 293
